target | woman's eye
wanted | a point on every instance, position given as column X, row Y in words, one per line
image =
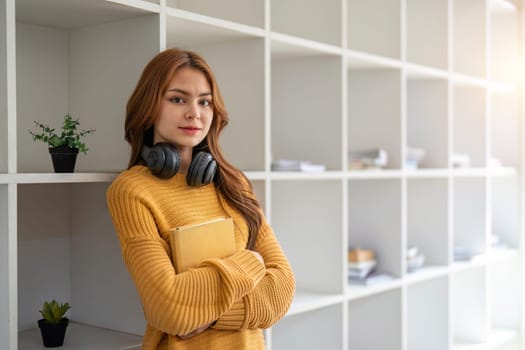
column 176, row 100
column 206, row 103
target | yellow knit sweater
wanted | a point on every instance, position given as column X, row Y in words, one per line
column 239, row 293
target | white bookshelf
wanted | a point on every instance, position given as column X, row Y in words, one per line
column 304, row 80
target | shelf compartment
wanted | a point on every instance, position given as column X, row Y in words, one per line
column 318, row 21
column 239, row 11
column 427, row 219
column 427, row 122
column 504, row 48
column 306, row 302
column 469, row 225
column 323, row 330
column 296, row 218
column 499, row 339
column 241, row 80
column 427, row 322
column 64, row 248
column 373, row 125
column 469, row 44
column 55, row 76
column 505, row 129
column 75, row 14
column 80, row 336
column 306, row 96
column 387, row 321
column 469, row 124
column 505, row 293
column 505, row 210
column 427, row 32
column 374, row 221
column 470, row 315
column 384, row 37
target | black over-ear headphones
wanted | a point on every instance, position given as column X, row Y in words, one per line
column 164, row 161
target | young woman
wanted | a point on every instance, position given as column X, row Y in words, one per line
column 177, row 176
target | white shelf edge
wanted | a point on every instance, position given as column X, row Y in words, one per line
column 298, row 175
column 308, row 301
column 417, row 71
column 80, row 336
column 139, row 4
column 427, row 173
column 476, row 262
column 306, row 43
column 468, row 172
column 426, row 273
column 498, row 255
column 374, row 174
column 42, row 178
column 502, row 171
column 496, row 339
column 357, row 292
column 464, row 79
column 216, row 22
column 369, row 60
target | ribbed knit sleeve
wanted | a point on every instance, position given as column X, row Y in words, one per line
column 271, row 298
column 175, row 303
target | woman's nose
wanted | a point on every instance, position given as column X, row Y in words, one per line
column 193, row 111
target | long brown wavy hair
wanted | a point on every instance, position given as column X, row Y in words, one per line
column 143, row 109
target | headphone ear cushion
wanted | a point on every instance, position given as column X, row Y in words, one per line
column 171, row 160
column 155, row 159
column 202, row 169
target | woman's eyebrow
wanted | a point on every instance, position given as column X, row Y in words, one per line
column 187, row 93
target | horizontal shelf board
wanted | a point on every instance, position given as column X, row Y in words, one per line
column 68, row 14
column 185, row 28
column 308, row 301
column 36, row 178
column 426, row 273
column 468, row 172
column 374, row 174
column 427, row 173
column 285, row 46
column 363, row 60
column 502, row 171
column 502, row 6
column 419, row 72
column 80, row 337
column 299, row 175
column 467, row 80
column 357, row 292
column 497, row 255
column 475, row 262
column 496, row 339
column 497, row 87
column 255, row 175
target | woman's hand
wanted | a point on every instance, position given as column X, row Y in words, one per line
column 195, row 331
column 257, row 255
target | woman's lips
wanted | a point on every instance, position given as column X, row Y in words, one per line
column 190, row 130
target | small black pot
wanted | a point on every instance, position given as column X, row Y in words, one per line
column 64, row 159
column 53, row 333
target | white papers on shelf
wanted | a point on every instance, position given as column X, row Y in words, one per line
column 414, row 156
column 373, row 279
column 462, row 253
column 458, row 160
column 297, row 165
column 367, row 159
column 415, row 259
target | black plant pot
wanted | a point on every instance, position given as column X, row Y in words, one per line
column 64, row 159
column 53, row 333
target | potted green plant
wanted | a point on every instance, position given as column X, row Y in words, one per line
column 53, row 324
column 63, row 146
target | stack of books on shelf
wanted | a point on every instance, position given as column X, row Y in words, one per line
column 297, row 165
column 415, row 259
column 362, row 265
column 414, row 157
column 367, row 159
column 462, row 253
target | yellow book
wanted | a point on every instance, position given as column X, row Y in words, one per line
column 192, row 244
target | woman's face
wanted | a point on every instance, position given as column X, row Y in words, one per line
column 186, row 110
